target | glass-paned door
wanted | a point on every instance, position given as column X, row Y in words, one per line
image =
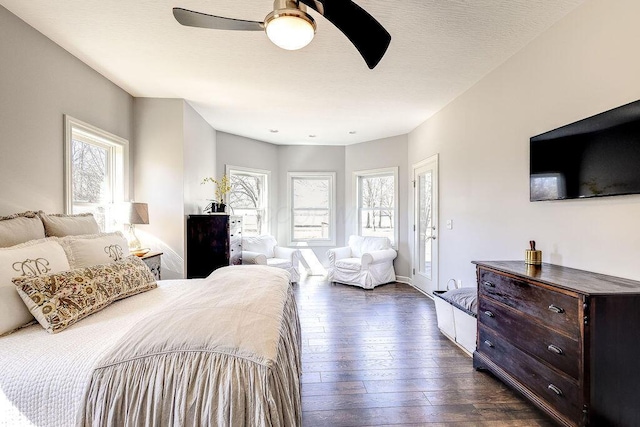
column 425, row 270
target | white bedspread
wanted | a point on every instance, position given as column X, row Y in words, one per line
column 44, row 378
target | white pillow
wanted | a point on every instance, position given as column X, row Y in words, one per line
column 261, row 244
column 354, row 243
column 33, row 258
column 94, row 249
column 365, row 244
column 61, row 225
column 20, row 228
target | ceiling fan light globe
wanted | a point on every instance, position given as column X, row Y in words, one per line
column 290, row 29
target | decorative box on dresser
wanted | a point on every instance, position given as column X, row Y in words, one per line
column 567, row 339
column 213, row 241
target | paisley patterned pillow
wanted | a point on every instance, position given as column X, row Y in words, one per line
column 59, row 300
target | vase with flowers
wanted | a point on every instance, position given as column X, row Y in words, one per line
column 223, row 186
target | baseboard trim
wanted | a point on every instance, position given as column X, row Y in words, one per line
column 403, row 279
column 421, row 291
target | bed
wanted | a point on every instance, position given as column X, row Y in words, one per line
column 224, row 350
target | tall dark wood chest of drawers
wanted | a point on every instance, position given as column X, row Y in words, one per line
column 567, row 339
column 213, row 241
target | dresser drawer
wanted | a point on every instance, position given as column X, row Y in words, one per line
column 554, row 309
column 560, row 351
column 559, row 391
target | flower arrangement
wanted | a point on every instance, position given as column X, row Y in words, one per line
column 223, row 186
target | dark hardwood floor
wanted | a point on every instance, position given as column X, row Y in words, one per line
column 376, row 357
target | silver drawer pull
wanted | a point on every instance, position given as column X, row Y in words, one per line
column 556, row 309
column 489, row 343
column 555, row 389
column 489, row 284
column 555, row 349
column 490, row 314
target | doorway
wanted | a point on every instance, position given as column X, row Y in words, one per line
column 425, row 202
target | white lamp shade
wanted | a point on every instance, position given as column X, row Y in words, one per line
column 290, row 32
column 137, row 213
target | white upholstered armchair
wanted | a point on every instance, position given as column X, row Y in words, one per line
column 367, row 262
column 264, row 250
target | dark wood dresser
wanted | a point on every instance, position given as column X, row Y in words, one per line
column 213, row 241
column 567, row 339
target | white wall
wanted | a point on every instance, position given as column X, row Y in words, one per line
column 175, row 149
column 382, row 153
column 199, row 160
column 39, row 83
column 158, row 177
column 585, row 64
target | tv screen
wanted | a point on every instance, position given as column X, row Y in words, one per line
column 597, row 156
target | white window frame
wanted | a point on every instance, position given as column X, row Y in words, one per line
column 117, row 162
column 267, row 193
column 357, row 191
column 331, row 176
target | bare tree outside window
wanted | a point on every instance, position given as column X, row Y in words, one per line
column 248, row 197
column 376, row 205
column 90, row 179
column 426, row 220
column 95, row 172
column 90, row 174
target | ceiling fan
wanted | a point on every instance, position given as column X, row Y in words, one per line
column 290, row 27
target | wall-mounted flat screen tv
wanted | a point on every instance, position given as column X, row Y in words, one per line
column 597, row 156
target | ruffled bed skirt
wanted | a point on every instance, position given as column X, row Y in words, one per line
column 202, row 387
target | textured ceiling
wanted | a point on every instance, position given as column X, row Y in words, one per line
column 242, row 84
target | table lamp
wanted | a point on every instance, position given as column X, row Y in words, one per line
column 138, row 213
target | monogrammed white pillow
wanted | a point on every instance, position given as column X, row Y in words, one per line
column 94, row 249
column 32, row 258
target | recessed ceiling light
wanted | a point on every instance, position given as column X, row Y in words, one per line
column 274, row 130
column 352, row 132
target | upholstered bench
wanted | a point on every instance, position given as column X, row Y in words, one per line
column 457, row 312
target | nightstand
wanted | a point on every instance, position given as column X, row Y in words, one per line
column 152, row 259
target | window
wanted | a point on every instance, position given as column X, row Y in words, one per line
column 377, row 194
column 312, row 202
column 249, row 198
column 96, row 166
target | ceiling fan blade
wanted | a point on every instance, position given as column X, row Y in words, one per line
column 362, row 29
column 191, row 18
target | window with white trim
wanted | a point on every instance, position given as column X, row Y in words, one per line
column 249, row 197
column 96, row 171
column 312, row 208
column 377, row 193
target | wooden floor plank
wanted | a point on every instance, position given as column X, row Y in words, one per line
column 376, row 358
